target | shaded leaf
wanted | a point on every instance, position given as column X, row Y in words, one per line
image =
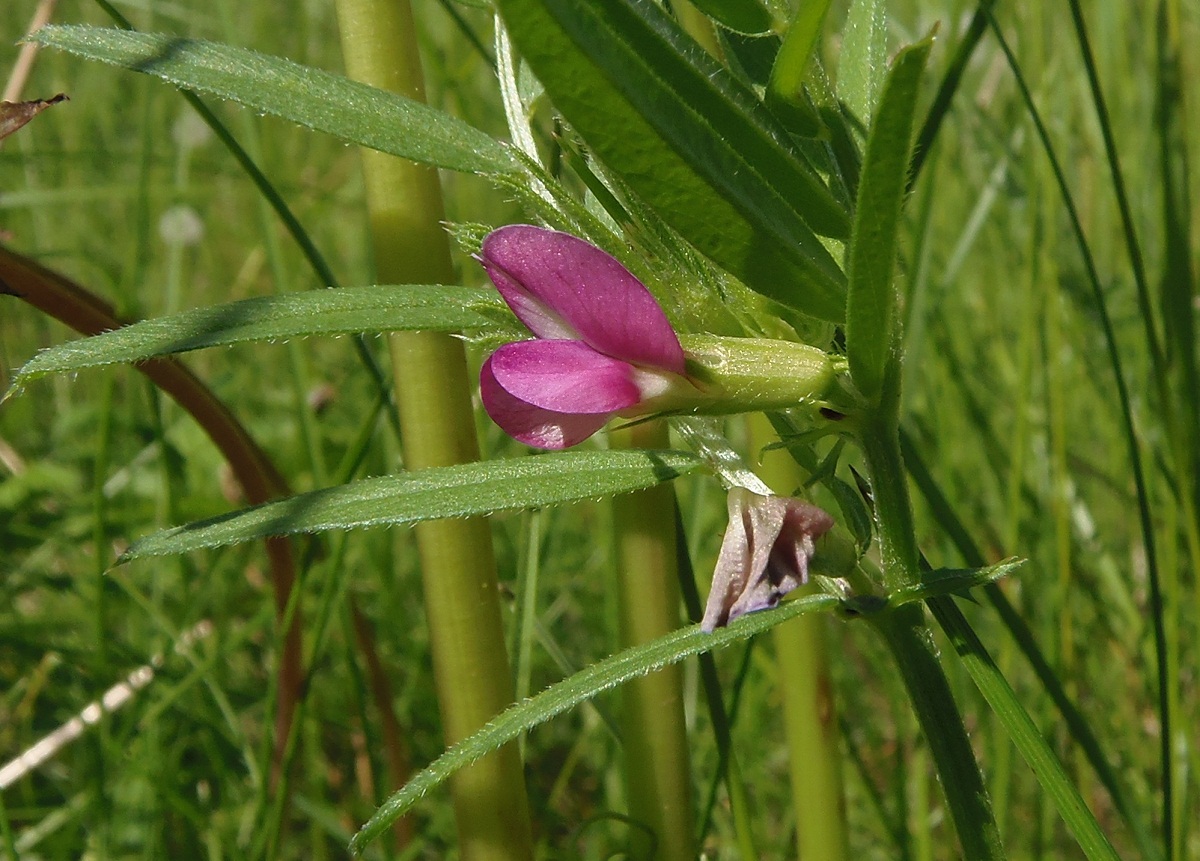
column 741, row 16
column 692, row 141
column 319, row 100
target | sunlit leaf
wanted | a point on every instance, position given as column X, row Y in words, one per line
column 295, row 315
column 862, row 64
column 431, row 494
column 871, row 305
column 584, row 685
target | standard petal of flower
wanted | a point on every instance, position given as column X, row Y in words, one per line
column 563, row 287
column 564, row 377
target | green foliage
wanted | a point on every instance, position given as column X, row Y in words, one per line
column 690, row 140
column 430, row 494
column 345, row 311
column 862, row 65
column 744, row 16
column 872, row 326
column 354, row 112
column 600, row 676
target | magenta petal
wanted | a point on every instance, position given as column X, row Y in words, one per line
column 564, row 376
column 563, row 287
column 532, row 425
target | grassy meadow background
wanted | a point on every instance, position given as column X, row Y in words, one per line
column 1009, row 399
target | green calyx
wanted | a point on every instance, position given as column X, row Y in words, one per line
column 741, row 375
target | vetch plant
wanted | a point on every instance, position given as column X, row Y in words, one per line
column 752, row 196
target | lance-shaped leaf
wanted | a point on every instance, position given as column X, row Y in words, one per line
column 334, row 104
column 871, row 320
column 690, row 140
column 463, row 490
column 608, row 673
column 345, row 311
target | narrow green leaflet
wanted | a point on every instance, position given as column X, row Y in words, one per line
column 311, row 97
column 608, row 673
column 620, row 668
column 862, row 64
column 871, row 304
column 690, row 140
column 463, row 490
column 294, row 315
column 941, row 582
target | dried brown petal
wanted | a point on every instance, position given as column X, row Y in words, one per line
column 764, row 554
column 13, row 115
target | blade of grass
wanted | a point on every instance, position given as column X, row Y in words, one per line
column 940, row 108
column 1177, row 297
column 1077, row 724
column 1130, row 432
column 1024, row 733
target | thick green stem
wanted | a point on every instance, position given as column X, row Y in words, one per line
column 809, row 711
column 437, row 423
column 911, row 642
column 657, row 762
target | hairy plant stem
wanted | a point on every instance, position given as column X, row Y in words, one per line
column 470, row 661
column 657, row 763
column 809, row 713
column 910, row 640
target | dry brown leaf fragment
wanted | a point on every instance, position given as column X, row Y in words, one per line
column 13, row 115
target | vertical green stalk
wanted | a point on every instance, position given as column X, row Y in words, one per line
column 910, row 640
column 657, row 766
column 470, row 661
column 809, row 713
column 874, row 337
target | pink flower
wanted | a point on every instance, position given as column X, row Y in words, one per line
column 764, row 554
column 603, row 345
